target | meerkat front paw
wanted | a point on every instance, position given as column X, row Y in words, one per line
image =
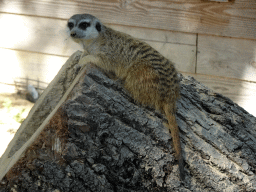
column 84, row 54
column 84, row 59
column 78, row 67
column 88, row 59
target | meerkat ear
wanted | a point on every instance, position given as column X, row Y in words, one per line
column 98, row 26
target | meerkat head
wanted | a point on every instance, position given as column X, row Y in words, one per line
column 84, row 27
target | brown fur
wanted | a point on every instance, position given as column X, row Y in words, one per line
column 150, row 78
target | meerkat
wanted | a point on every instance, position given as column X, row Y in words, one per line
column 149, row 77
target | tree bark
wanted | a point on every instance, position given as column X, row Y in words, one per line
column 100, row 139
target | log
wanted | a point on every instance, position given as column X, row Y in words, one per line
column 92, row 136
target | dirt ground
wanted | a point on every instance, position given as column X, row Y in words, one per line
column 14, row 108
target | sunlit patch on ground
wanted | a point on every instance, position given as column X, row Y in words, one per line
column 13, row 110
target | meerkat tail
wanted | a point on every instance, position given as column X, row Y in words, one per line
column 173, row 126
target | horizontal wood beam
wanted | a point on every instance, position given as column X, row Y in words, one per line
column 227, row 57
column 236, row 18
column 22, row 64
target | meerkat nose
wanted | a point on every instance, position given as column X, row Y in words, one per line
column 73, row 34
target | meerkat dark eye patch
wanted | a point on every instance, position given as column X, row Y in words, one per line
column 70, row 25
column 84, row 25
column 98, row 26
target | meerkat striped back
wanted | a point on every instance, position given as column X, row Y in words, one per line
column 131, row 49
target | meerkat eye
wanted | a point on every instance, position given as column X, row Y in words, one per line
column 70, row 25
column 98, row 26
column 84, row 25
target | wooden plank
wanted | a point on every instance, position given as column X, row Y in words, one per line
column 156, row 35
column 184, row 56
column 40, row 34
column 49, row 36
column 234, row 18
column 241, row 92
column 16, row 64
column 227, row 57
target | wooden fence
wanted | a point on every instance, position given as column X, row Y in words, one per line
column 212, row 40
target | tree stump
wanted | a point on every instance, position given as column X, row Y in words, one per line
column 85, row 133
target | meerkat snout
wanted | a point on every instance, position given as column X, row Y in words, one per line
column 72, row 34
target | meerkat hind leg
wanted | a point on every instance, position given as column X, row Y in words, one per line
column 141, row 81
